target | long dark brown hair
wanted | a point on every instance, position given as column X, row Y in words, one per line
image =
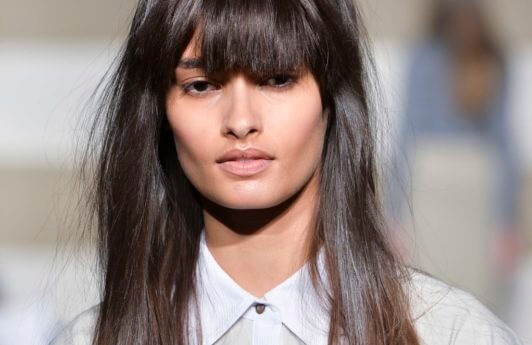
column 148, row 215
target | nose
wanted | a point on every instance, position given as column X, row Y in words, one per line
column 241, row 118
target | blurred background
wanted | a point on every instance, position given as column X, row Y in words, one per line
column 456, row 149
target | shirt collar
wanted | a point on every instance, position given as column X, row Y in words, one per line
column 222, row 302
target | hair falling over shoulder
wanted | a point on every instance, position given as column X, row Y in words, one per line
column 149, row 216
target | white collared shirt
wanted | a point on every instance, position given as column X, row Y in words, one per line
column 292, row 314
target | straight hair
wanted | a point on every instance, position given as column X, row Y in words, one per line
column 148, row 215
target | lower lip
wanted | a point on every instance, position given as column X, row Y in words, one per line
column 246, row 168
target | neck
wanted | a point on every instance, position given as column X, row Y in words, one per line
column 259, row 249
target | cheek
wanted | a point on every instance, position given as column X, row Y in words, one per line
column 190, row 134
column 187, row 147
column 302, row 129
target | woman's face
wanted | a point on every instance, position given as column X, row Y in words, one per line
column 246, row 144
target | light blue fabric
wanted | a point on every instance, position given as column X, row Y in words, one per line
column 431, row 111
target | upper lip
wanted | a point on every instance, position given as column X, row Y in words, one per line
column 236, row 154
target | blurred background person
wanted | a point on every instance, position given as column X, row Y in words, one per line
column 458, row 87
column 457, row 94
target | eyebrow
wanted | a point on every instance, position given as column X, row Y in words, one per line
column 190, row 63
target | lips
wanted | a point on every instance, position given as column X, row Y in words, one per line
column 245, row 163
column 243, row 155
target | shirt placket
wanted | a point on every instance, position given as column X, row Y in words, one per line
column 267, row 324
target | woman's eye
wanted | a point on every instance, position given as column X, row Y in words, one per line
column 199, row 87
column 281, row 80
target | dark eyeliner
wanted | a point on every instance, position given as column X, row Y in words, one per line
column 290, row 79
column 187, row 87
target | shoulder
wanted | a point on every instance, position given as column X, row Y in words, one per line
column 80, row 330
column 447, row 315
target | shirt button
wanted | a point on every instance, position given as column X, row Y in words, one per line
column 259, row 308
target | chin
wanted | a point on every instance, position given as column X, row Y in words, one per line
column 244, row 195
column 251, row 202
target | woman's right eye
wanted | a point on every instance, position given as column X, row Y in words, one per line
column 199, row 87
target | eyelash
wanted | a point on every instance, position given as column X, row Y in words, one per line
column 287, row 81
column 188, row 87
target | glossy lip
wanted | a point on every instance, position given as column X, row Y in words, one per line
column 245, row 163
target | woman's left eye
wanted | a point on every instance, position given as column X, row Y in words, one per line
column 279, row 81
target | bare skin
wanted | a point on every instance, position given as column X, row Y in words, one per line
column 264, row 252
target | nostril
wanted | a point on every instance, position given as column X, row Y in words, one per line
column 241, row 132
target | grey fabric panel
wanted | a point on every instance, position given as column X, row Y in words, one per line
column 242, row 334
column 290, row 338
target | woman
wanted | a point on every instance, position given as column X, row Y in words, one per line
column 235, row 192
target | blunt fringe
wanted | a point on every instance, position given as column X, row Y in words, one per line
column 148, row 215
